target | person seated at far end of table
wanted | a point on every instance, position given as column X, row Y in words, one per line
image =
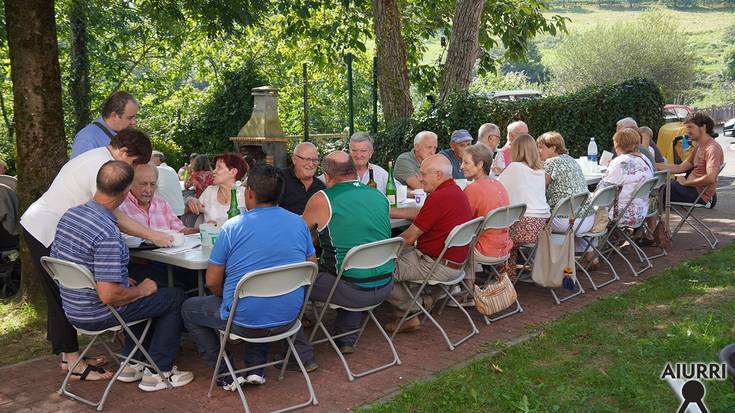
column 346, row 214
column 460, row 139
column 299, row 181
column 445, row 207
column 88, row 235
column 515, row 129
column 484, row 195
column 215, row 200
column 701, row 167
column 361, row 151
column 565, row 178
column 143, row 206
column 168, row 186
column 200, row 175
column 408, row 164
column 263, row 237
column 525, row 181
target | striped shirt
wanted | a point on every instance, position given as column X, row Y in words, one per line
column 88, row 235
column 158, row 216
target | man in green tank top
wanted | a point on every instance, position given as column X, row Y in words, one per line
column 346, row 214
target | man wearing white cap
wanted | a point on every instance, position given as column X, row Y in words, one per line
column 460, row 140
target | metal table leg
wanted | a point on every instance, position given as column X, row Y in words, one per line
column 200, row 282
column 170, row 270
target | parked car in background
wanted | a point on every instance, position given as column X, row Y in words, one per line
column 676, row 113
column 514, row 94
column 728, row 129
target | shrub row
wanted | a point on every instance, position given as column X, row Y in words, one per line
column 590, row 112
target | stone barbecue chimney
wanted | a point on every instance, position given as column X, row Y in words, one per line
column 262, row 139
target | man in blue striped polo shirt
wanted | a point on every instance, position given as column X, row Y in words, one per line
column 88, row 235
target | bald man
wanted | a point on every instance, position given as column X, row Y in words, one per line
column 299, row 182
column 445, row 208
column 515, row 130
column 346, row 214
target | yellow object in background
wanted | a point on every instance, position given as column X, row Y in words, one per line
column 669, row 141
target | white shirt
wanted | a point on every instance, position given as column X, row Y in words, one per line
column 75, row 185
column 527, row 186
column 169, row 188
column 213, row 209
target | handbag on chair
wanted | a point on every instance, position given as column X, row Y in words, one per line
column 495, row 297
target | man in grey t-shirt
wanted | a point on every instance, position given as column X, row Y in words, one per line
column 406, row 169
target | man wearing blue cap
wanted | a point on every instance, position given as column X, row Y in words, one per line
column 460, row 140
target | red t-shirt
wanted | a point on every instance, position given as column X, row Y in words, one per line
column 444, row 209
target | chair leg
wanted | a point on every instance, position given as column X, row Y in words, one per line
column 642, row 257
column 231, row 371
column 616, row 277
column 222, row 344
column 414, row 301
column 474, row 331
column 494, row 318
column 312, row 396
column 570, row 296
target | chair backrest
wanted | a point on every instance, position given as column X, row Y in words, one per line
column 562, row 208
column 373, row 254
column 578, row 200
column 68, row 274
column 605, row 197
column 644, row 188
column 503, row 217
column 275, row 281
column 463, row 234
column 662, row 178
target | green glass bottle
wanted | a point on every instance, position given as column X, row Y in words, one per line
column 390, row 187
column 234, row 210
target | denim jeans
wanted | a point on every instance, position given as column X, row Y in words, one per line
column 202, row 319
column 164, row 337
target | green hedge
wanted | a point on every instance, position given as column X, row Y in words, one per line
column 592, row 111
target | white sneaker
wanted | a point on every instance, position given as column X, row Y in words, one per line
column 131, row 373
column 154, row 382
column 255, row 379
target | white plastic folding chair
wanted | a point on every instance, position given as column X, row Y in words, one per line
column 642, row 190
column 561, row 210
column 685, row 211
column 497, row 219
column 604, row 198
column 75, row 276
column 369, row 255
column 460, row 236
column 662, row 179
column 269, row 282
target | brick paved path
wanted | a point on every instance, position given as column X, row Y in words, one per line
column 31, row 386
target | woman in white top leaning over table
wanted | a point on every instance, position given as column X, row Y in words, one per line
column 215, row 200
column 525, row 181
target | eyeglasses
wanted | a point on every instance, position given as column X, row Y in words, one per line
column 312, row 160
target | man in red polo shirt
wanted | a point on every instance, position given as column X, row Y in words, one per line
column 445, row 208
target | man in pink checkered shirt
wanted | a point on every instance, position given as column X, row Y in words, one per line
column 148, row 209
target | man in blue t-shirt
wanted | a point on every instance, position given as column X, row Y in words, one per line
column 266, row 236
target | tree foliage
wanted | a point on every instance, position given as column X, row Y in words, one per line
column 650, row 47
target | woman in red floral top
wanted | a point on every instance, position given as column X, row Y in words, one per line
column 201, row 175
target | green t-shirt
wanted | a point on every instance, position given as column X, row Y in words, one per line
column 359, row 214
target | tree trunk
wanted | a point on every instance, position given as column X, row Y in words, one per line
column 79, row 73
column 39, row 119
column 463, row 47
column 393, row 84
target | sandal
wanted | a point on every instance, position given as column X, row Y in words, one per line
column 96, row 362
column 84, row 375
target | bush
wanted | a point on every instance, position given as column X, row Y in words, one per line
column 651, row 47
column 578, row 116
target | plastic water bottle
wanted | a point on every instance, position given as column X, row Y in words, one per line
column 685, row 143
column 592, row 151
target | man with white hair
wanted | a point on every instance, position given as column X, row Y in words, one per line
column 445, row 208
column 298, row 182
column 489, row 135
column 168, row 186
column 361, row 150
column 406, row 169
column 630, row 123
column 515, row 129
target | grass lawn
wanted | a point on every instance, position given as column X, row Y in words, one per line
column 606, row 358
column 22, row 333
